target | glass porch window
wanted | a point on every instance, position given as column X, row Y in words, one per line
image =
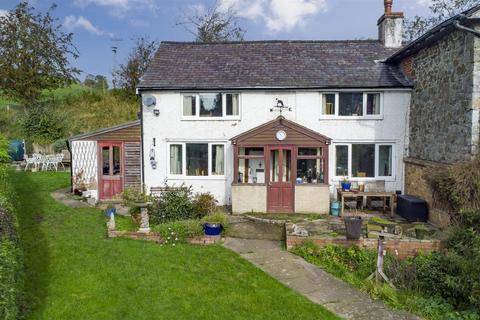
column 106, row 160
column 274, row 161
column 197, row 159
column 116, row 160
column 310, row 165
column 286, row 165
column 363, row 160
column 251, row 165
column 176, row 165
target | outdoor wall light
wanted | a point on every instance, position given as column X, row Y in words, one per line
column 156, row 112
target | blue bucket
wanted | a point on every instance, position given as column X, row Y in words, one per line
column 346, row 186
column 335, row 208
column 212, row 229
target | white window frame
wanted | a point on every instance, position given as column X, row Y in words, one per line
column 184, row 160
column 224, row 106
column 377, row 176
column 364, row 115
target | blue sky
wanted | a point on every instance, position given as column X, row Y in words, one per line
column 100, row 24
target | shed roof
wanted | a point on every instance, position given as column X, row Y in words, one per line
column 103, row 131
column 272, row 65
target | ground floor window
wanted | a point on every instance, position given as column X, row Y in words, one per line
column 311, row 165
column 197, row 159
column 251, row 165
column 364, row 160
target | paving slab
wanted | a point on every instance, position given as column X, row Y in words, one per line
column 313, row 282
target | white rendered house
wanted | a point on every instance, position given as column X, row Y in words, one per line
column 275, row 125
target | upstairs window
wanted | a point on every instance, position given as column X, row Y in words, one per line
column 211, row 105
column 351, row 104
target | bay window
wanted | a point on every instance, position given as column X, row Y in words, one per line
column 364, row 160
column 351, row 104
column 211, row 105
column 196, row 159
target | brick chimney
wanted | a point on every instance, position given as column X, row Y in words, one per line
column 390, row 26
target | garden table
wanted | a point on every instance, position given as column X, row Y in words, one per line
column 364, row 194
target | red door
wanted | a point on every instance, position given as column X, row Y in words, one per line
column 111, row 169
column 280, row 190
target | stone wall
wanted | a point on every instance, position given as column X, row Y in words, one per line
column 417, row 185
column 248, row 198
column 401, row 248
column 312, row 198
column 441, row 116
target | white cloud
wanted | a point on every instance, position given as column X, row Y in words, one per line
column 278, row 15
column 3, row 12
column 120, row 8
column 72, row 22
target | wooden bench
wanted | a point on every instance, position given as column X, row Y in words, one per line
column 156, row 191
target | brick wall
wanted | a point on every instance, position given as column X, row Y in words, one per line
column 402, row 248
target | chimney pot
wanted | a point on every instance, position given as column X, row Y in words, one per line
column 388, row 6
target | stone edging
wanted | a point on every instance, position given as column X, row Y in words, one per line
column 271, row 221
column 153, row 236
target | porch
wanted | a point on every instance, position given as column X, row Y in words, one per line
column 280, row 167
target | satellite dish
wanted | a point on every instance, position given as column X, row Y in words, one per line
column 149, row 101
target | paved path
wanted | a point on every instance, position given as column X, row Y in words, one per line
column 316, row 284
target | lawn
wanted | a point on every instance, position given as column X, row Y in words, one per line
column 74, row 272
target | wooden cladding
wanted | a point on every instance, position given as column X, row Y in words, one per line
column 132, row 164
column 132, row 133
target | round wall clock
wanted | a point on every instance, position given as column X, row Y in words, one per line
column 281, row 135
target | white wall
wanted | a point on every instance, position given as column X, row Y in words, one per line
column 255, row 110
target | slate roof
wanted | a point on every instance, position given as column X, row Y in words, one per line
column 434, row 34
column 271, row 65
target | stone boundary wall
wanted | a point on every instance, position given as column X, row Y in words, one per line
column 416, row 185
column 152, row 236
column 402, row 248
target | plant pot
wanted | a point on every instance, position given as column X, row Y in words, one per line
column 110, row 211
column 346, row 186
column 354, row 227
column 212, row 229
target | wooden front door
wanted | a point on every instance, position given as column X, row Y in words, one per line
column 110, row 169
column 280, row 190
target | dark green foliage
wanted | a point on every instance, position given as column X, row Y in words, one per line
column 10, row 263
column 98, row 82
column 34, row 53
column 43, row 123
column 203, row 204
column 175, row 203
column 59, row 145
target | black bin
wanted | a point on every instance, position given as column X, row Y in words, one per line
column 412, row 208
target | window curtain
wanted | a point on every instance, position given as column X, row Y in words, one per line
column 175, row 159
column 235, row 104
column 218, row 160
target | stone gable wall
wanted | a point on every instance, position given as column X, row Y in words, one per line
column 441, row 116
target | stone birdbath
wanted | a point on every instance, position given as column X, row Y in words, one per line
column 144, row 221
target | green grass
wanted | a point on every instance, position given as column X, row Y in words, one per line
column 74, row 272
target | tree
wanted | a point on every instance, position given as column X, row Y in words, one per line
column 128, row 75
column 96, row 82
column 440, row 10
column 34, row 53
column 43, row 124
column 213, row 24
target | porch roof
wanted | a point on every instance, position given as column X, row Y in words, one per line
column 265, row 134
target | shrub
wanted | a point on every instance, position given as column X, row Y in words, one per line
column 179, row 231
column 175, row 203
column 204, row 204
column 60, row 145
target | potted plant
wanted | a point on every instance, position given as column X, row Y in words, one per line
column 354, row 227
column 346, row 184
column 214, row 224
